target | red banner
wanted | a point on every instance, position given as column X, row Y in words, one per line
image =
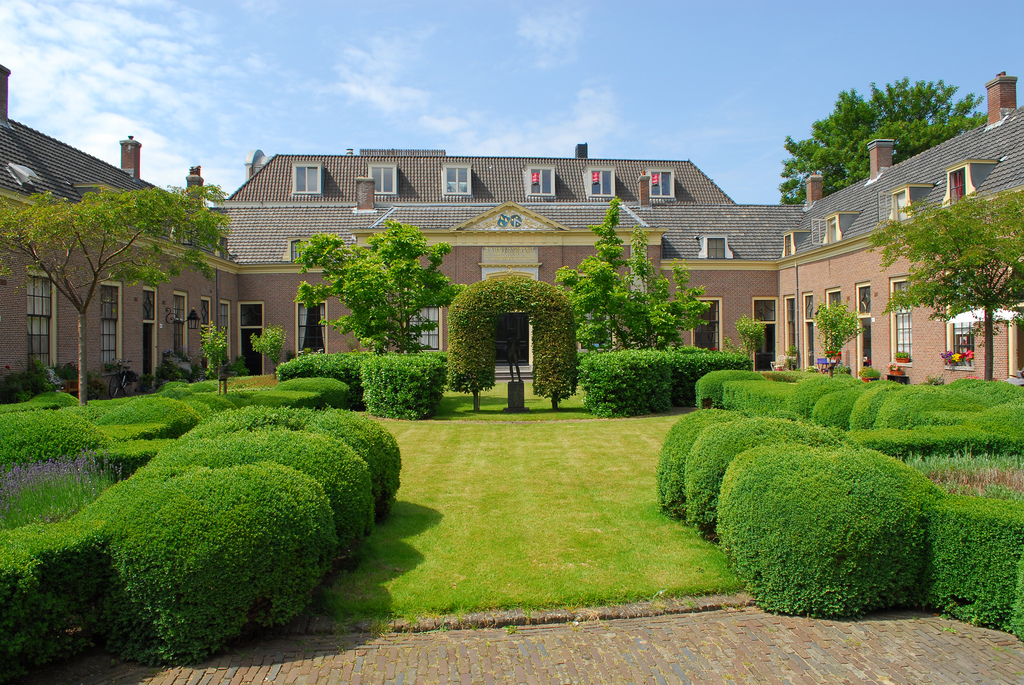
column 655, row 179
column 535, row 178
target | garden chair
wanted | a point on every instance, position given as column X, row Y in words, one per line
column 780, row 363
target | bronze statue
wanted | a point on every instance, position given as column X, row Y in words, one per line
column 512, row 354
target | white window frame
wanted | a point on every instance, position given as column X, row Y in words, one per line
column 226, row 325
column 299, row 307
column 830, row 223
column 863, row 317
column 718, row 322
column 319, row 177
column 424, row 338
column 51, row 333
column 118, row 320
column 378, row 188
column 290, row 255
column 184, row 320
column 469, row 180
column 892, row 323
column 899, row 210
column 703, row 254
column 671, row 194
column 528, row 180
column 589, row 185
column 809, row 350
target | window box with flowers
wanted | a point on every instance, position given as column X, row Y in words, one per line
column 895, row 370
column 958, row 360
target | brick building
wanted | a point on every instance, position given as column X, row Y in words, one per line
column 528, row 216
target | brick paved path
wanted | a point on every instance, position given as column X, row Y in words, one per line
column 730, row 646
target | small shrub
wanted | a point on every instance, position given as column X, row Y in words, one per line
column 714, row 450
column 756, row 398
column 332, row 393
column 296, row 399
column 825, row 533
column 922, row 405
column 835, row 408
column 176, row 416
column 404, row 386
column 48, row 400
column 671, row 472
column 207, row 403
column 990, row 393
column 626, row 383
column 690, row 364
column 865, row 409
column 36, row 436
column 922, row 441
column 178, row 390
column 341, row 366
column 976, row 546
column 1004, row 423
column 133, row 431
column 709, row 388
column 812, row 389
column 252, row 418
column 783, row 376
column 131, row 455
column 199, row 557
column 868, row 372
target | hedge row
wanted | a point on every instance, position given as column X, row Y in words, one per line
column 404, row 386
column 709, row 388
column 671, row 471
column 690, row 364
column 37, row 436
column 626, row 383
column 341, row 366
column 759, row 398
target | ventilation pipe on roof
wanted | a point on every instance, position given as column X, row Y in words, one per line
column 4, row 74
column 1002, row 97
column 254, row 161
column 880, row 151
column 349, row 152
column 581, row 151
column 131, row 157
column 645, row 191
column 194, row 178
column 364, row 194
column 814, row 185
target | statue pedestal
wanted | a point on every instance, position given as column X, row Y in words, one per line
column 516, row 398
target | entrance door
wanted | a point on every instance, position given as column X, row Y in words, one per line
column 250, row 322
column 148, row 328
column 764, row 310
column 521, row 324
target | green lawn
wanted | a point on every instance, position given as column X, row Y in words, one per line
column 526, row 515
column 460, row 406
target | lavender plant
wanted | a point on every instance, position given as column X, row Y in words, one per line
column 54, row 490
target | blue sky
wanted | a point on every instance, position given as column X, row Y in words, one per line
column 721, row 86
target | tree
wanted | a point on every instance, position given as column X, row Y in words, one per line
column 269, row 343
column 385, row 285
column 215, row 348
column 836, row 326
column 751, row 334
column 624, row 303
column 146, row 236
column 962, row 258
column 917, row 116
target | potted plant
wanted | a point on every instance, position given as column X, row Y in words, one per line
column 868, row 374
column 902, row 357
column 895, row 370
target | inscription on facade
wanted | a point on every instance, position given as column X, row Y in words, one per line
column 509, row 255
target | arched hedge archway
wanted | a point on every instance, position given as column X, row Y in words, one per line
column 473, row 316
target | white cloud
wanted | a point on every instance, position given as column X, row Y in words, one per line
column 552, row 35
column 373, row 74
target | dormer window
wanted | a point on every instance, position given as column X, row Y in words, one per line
column 661, row 183
column 600, row 182
column 385, row 179
column 832, row 228
column 714, row 247
column 458, row 180
column 295, row 248
column 964, row 178
column 22, row 174
column 832, row 233
column 907, row 195
column 540, row 181
column 788, row 245
column 306, row 178
column 957, row 184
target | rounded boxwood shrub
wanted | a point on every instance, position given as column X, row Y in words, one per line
column 865, row 409
column 249, row 419
column 925, row 441
column 341, row 366
column 1004, row 425
column 199, row 557
column 813, row 388
column 757, row 398
column 709, row 387
column 404, row 386
column 177, row 417
column 332, row 393
column 342, row 474
column 825, row 533
column 990, row 393
column 714, row 450
column 922, row 405
column 180, row 389
column 626, row 383
column 46, row 400
column 690, row 364
column 835, row 408
column 29, row 436
column 671, row 472
column 208, row 403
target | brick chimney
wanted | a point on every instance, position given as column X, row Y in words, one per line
column 1002, row 96
column 645, row 191
column 814, row 182
column 581, row 151
column 880, row 150
column 364, row 194
column 130, row 157
column 4, row 74
column 194, row 178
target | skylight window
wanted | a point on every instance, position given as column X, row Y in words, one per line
column 22, row 174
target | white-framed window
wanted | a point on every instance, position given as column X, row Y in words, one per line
column 39, row 295
column 431, row 340
column 714, row 247
column 809, row 330
column 788, row 245
column 961, row 340
column 180, row 310
column 707, row 334
column 224, row 321
column 311, row 333
column 599, row 182
column 834, row 297
column 294, row 246
column 902, row 326
column 790, row 321
column 306, row 178
column 662, row 183
column 832, row 232
column 385, row 179
column 957, row 184
column 458, row 180
column 540, row 180
column 864, row 353
column 110, row 310
column 900, row 200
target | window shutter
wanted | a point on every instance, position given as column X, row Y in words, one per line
column 817, row 231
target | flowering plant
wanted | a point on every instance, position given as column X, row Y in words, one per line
column 956, row 357
column 895, row 368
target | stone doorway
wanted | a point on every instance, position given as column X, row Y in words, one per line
column 520, row 322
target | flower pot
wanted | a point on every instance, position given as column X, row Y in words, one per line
column 896, row 372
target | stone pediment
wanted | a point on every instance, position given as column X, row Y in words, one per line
column 510, row 218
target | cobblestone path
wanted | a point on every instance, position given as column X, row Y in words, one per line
column 729, row 646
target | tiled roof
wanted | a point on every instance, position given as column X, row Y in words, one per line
column 753, row 231
column 262, row 235
column 58, row 165
column 1004, row 141
column 494, row 179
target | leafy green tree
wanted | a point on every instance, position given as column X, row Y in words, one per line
column 917, row 116
column 385, row 285
column 215, row 348
column 269, row 343
column 836, row 325
column 146, row 236
column 751, row 334
column 625, row 303
column 963, row 257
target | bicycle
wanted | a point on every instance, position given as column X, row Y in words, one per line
column 122, row 379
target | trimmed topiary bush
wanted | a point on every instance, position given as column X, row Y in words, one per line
column 249, row 419
column 404, row 386
column 626, row 383
column 208, row 403
column 923, row 405
column 341, row 366
column 672, row 460
column 865, row 409
column 813, row 388
column 714, row 450
column 976, row 547
column 690, row 364
column 343, row 475
column 1004, row 425
column 834, row 409
column 176, row 416
column 199, row 557
column 825, row 533
column 332, row 393
column 923, row 441
column 52, row 579
column 178, row 390
column 709, row 388
column 47, row 400
column 990, row 393
column 757, row 398
column 131, row 455
column 30, row 436
column 96, row 408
